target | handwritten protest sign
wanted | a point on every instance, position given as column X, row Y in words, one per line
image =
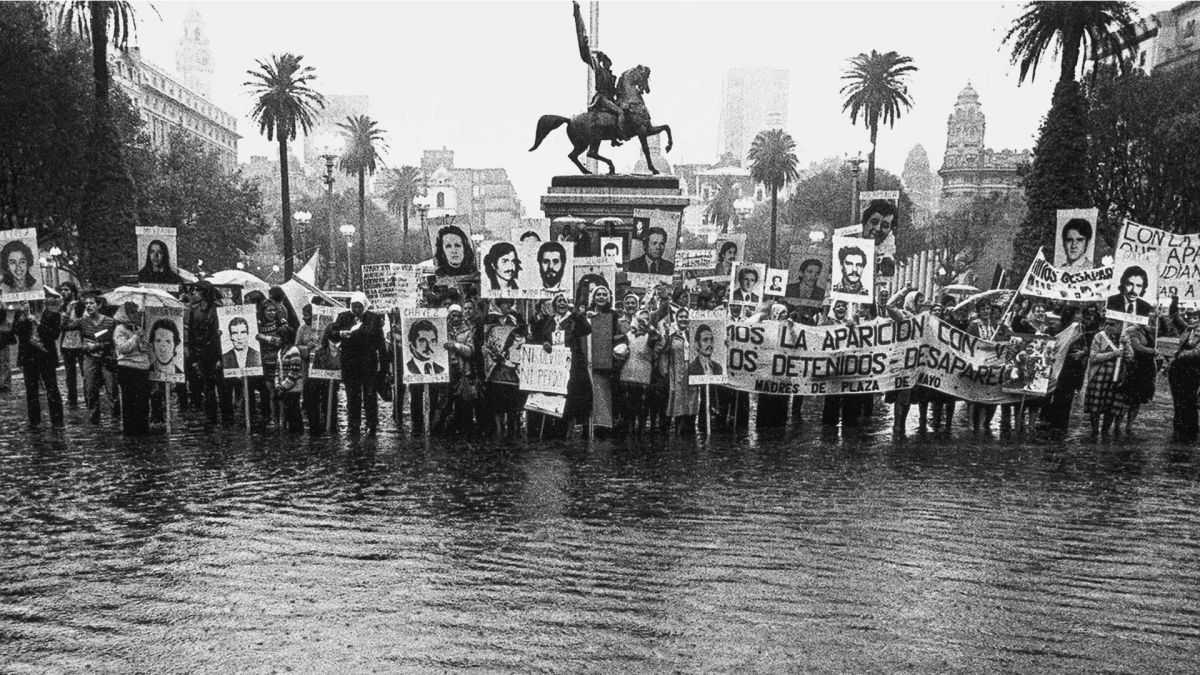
column 543, row 371
column 390, row 286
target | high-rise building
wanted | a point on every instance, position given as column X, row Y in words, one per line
column 754, row 99
column 166, row 104
column 969, row 168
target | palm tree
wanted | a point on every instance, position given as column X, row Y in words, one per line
column 402, row 186
column 720, row 210
column 283, row 101
column 108, row 216
column 364, row 140
column 1059, row 176
column 876, row 91
column 1098, row 27
column 773, row 163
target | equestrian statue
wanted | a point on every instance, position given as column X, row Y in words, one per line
column 616, row 112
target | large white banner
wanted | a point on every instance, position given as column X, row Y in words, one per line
column 1044, row 280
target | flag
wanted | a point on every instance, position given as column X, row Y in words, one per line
column 585, row 51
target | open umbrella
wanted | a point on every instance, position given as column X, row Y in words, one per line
column 242, row 278
column 143, row 297
column 994, row 296
column 959, row 289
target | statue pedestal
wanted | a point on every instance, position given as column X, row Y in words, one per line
column 593, row 197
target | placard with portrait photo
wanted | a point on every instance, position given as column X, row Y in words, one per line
column 593, row 275
column 853, row 269
column 707, row 354
column 156, row 258
column 746, row 285
column 1134, row 285
column 21, row 278
column 652, row 248
column 879, row 214
column 325, row 362
column 453, row 249
column 164, row 332
column 240, row 355
column 726, row 250
column 530, row 230
column 426, row 360
column 775, row 283
column 1075, row 239
column 613, row 248
column 525, row 270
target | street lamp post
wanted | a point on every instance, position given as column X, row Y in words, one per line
column 855, row 164
column 328, row 179
column 348, row 232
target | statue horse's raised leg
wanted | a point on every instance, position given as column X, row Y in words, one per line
column 647, row 133
column 651, row 131
column 594, row 153
column 576, row 151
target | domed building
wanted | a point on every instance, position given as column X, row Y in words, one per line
column 970, row 168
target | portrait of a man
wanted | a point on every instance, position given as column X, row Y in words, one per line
column 747, row 286
column 1134, row 281
column 651, row 261
column 156, row 266
column 242, row 355
column 453, row 254
column 552, row 263
column 613, row 248
column 1076, row 245
column 502, row 266
column 704, row 342
column 878, row 219
column 165, row 341
column 807, row 287
column 853, row 262
column 422, row 341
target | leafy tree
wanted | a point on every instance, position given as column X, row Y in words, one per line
column 401, row 187
column 975, row 235
column 1141, row 144
column 773, row 162
column 364, row 140
column 109, row 213
column 217, row 215
column 284, row 101
column 1059, row 177
column 876, row 91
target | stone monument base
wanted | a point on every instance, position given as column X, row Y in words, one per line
column 586, row 199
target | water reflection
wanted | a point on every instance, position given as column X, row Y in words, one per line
column 790, row 548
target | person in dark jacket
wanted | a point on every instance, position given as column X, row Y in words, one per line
column 359, row 334
column 36, row 335
column 202, row 354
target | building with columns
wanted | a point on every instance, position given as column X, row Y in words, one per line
column 969, row 167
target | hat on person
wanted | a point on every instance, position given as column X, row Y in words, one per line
column 454, row 308
column 360, row 298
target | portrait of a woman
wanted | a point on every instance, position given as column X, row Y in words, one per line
column 157, row 266
column 453, row 253
column 17, row 259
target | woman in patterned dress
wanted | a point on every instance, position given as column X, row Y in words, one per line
column 1104, row 398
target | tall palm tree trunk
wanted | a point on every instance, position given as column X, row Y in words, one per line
column 1070, row 56
column 871, row 158
column 285, row 197
column 774, row 221
column 362, row 220
column 99, row 27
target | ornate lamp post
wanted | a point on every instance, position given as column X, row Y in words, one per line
column 855, row 166
column 329, row 157
column 348, row 232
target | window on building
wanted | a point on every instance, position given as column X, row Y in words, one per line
column 441, row 200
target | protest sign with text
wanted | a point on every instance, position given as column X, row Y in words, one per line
column 544, row 371
column 1044, row 280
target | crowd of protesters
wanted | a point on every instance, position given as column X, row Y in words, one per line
column 638, row 385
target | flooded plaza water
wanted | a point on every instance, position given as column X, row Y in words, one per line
column 218, row 550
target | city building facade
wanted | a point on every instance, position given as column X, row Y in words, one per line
column 485, row 198
column 969, row 167
column 753, row 99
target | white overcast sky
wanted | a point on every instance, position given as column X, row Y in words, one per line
column 475, row 76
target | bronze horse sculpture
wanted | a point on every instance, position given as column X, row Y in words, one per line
column 588, row 130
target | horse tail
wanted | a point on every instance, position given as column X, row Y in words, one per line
column 546, row 124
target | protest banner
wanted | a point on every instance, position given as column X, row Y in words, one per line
column 1075, row 239
column 379, row 285
column 853, row 269
column 1044, row 280
column 164, row 331
column 1179, row 269
column 593, row 273
column 706, row 348
column 453, row 248
column 426, row 359
column 652, row 249
column 546, row 404
column 239, row 341
column 525, row 270
column 1134, row 277
column 325, row 362
column 777, row 357
column 20, row 279
column 544, row 371
column 156, row 258
column 775, row 283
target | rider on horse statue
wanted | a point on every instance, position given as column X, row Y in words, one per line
column 605, row 98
